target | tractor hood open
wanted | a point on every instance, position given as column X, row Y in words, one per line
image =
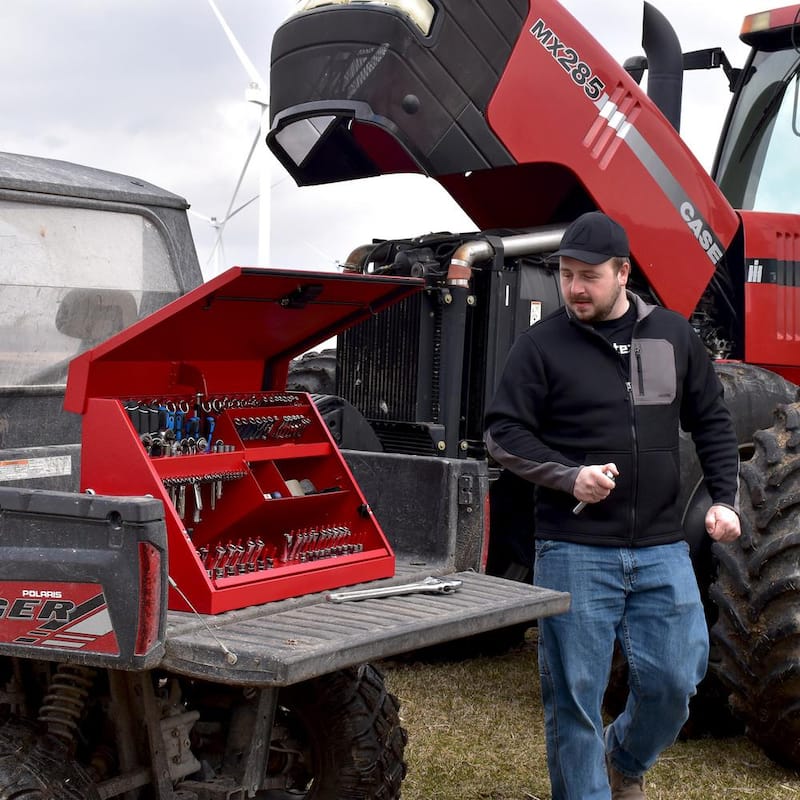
column 360, row 90
column 514, row 108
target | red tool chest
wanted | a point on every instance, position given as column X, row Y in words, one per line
column 189, row 405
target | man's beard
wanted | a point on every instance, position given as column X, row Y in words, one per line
column 599, row 312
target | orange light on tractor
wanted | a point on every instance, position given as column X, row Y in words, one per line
column 754, row 23
column 766, row 21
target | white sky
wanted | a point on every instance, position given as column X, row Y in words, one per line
column 151, row 88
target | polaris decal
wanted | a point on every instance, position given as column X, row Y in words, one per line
column 568, row 59
column 68, row 616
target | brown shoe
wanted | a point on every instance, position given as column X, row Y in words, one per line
column 623, row 787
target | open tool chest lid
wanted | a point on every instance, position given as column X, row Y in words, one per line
column 235, row 333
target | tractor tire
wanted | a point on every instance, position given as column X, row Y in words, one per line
column 751, row 394
column 39, row 769
column 313, row 372
column 757, row 633
column 344, row 731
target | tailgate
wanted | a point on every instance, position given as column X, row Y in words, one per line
column 290, row 641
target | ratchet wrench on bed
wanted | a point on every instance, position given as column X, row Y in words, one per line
column 435, row 585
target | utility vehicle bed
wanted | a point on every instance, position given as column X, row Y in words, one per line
column 292, row 640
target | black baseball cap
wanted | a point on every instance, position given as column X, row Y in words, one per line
column 593, row 238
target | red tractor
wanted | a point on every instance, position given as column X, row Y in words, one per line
column 517, row 111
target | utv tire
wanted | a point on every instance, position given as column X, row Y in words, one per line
column 32, row 769
column 757, row 633
column 347, row 726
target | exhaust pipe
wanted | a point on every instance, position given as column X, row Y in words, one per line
column 665, row 64
column 538, row 240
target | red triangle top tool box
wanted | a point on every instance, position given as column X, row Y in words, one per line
column 189, row 405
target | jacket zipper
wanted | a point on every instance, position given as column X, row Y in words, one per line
column 637, row 350
column 637, row 353
column 635, row 461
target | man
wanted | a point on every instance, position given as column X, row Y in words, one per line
column 588, row 409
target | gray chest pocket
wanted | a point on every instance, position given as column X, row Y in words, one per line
column 653, row 375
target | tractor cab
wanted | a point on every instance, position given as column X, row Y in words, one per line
column 757, row 167
column 758, row 162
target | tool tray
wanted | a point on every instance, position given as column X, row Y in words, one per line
column 189, row 406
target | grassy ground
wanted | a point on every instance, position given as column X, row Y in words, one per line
column 476, row 733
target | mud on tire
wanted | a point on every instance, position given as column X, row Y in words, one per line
column 757, row 633
column 39, row 769
column 352, row 743
column 313, row 372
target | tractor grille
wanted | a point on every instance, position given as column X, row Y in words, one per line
column 385, row 366
column 405, row 437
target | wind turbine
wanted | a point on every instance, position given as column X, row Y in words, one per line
column 257, row 93
column 217, row 254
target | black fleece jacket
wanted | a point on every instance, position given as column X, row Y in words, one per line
column 568, row 399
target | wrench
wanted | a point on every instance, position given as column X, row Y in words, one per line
column 428, row 585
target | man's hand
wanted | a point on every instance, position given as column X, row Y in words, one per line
column 723, row 524
column 592, row 485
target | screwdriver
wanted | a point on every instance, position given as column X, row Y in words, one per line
column 578, row 508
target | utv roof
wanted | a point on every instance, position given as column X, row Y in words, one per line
column 48, row 176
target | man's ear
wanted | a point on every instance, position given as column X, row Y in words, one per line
column 624, row 273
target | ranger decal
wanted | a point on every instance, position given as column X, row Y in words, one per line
column 67, row 616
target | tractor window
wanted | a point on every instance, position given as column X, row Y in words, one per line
column 759, row 165
column 70, row 278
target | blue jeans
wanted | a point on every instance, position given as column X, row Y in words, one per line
column 647, row 599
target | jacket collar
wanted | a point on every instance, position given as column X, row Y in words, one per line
column 643, row 309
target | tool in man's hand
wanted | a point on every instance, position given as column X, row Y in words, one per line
column 578, row 508
column 436, row 585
